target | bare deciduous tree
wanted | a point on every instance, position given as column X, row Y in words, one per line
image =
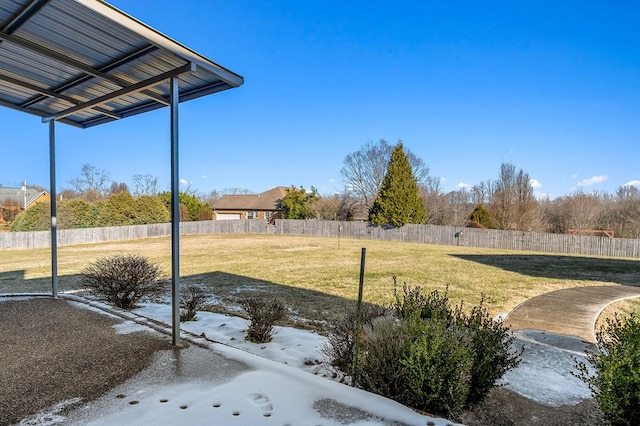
column 482, row 193
column 627, row 212
column 144, row 185
column 118, row 187
column 513, row 204
column 333, row 207
column 236, row 191
column 92, row 182
column 435, row 202
column 579, row 210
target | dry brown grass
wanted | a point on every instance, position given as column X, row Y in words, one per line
column 318, row 278
column 623, row 307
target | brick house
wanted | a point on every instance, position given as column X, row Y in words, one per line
column 15, row 200
column 267, row 205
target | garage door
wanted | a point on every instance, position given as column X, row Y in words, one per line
column 227, row 216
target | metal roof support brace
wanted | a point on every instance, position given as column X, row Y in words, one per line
column 54, row 224
column 134, row 88
column 174, row 99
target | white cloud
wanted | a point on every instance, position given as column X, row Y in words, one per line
column 184, row 182
column 574, row 176
column 443, row 179
column 633, row 183
column 535, row 183
column 462, row 185
column 204, row 177
column 593, row 180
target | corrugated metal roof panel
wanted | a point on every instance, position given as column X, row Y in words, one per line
column 59, row 54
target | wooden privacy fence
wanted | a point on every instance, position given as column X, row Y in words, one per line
column 67, row 237
column 429, row 234
column 468, row 237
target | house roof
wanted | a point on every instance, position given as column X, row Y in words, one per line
column 268, row 200
column 84, row 63
column 16, row 196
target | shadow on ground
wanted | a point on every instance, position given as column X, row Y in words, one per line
column 619, row 271
column 308, row 308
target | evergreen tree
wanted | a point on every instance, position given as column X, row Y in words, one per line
column 117, row 210
column 151, row 209
column 35, row 218
column 78, row 213
column 190, row 207
column 398, row 201
column 481, row 216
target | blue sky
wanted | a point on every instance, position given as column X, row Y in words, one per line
column 551, row 87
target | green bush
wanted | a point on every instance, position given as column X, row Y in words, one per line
column 78, row 213
column 414, row 302
column 490, row 341
column 190, row 207
column 150, row 209
column 122, row 279
column 117, row 210
column 429, row 355
column 437, row 367
column 493, row 355
column 35, row 218
column 616, row 383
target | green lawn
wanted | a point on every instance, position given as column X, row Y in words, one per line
column 318, row 277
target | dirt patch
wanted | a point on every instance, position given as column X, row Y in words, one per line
column 506, row 408
column 51, row 351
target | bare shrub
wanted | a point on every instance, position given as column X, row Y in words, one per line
column 122, row 279
column 384, row 341
column 263, row 312
column 192, row 299
column 341, row 340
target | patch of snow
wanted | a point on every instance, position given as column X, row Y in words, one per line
column 51, row 416
column 128, row 327
column 544, row 374
column 291, row 346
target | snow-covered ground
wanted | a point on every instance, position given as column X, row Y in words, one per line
column 284, row 382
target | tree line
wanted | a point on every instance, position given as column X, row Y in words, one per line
column 117, row 209
column 507, row 202
column 383, row 183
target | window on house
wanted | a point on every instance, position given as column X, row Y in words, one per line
column 266, row 215
column 249, row 215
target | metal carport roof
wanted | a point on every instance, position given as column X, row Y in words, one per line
column 85, row 63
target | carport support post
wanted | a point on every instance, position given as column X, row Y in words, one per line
column 54, row 224
column 175, row 214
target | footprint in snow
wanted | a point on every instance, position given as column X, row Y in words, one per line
column 262, row 402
